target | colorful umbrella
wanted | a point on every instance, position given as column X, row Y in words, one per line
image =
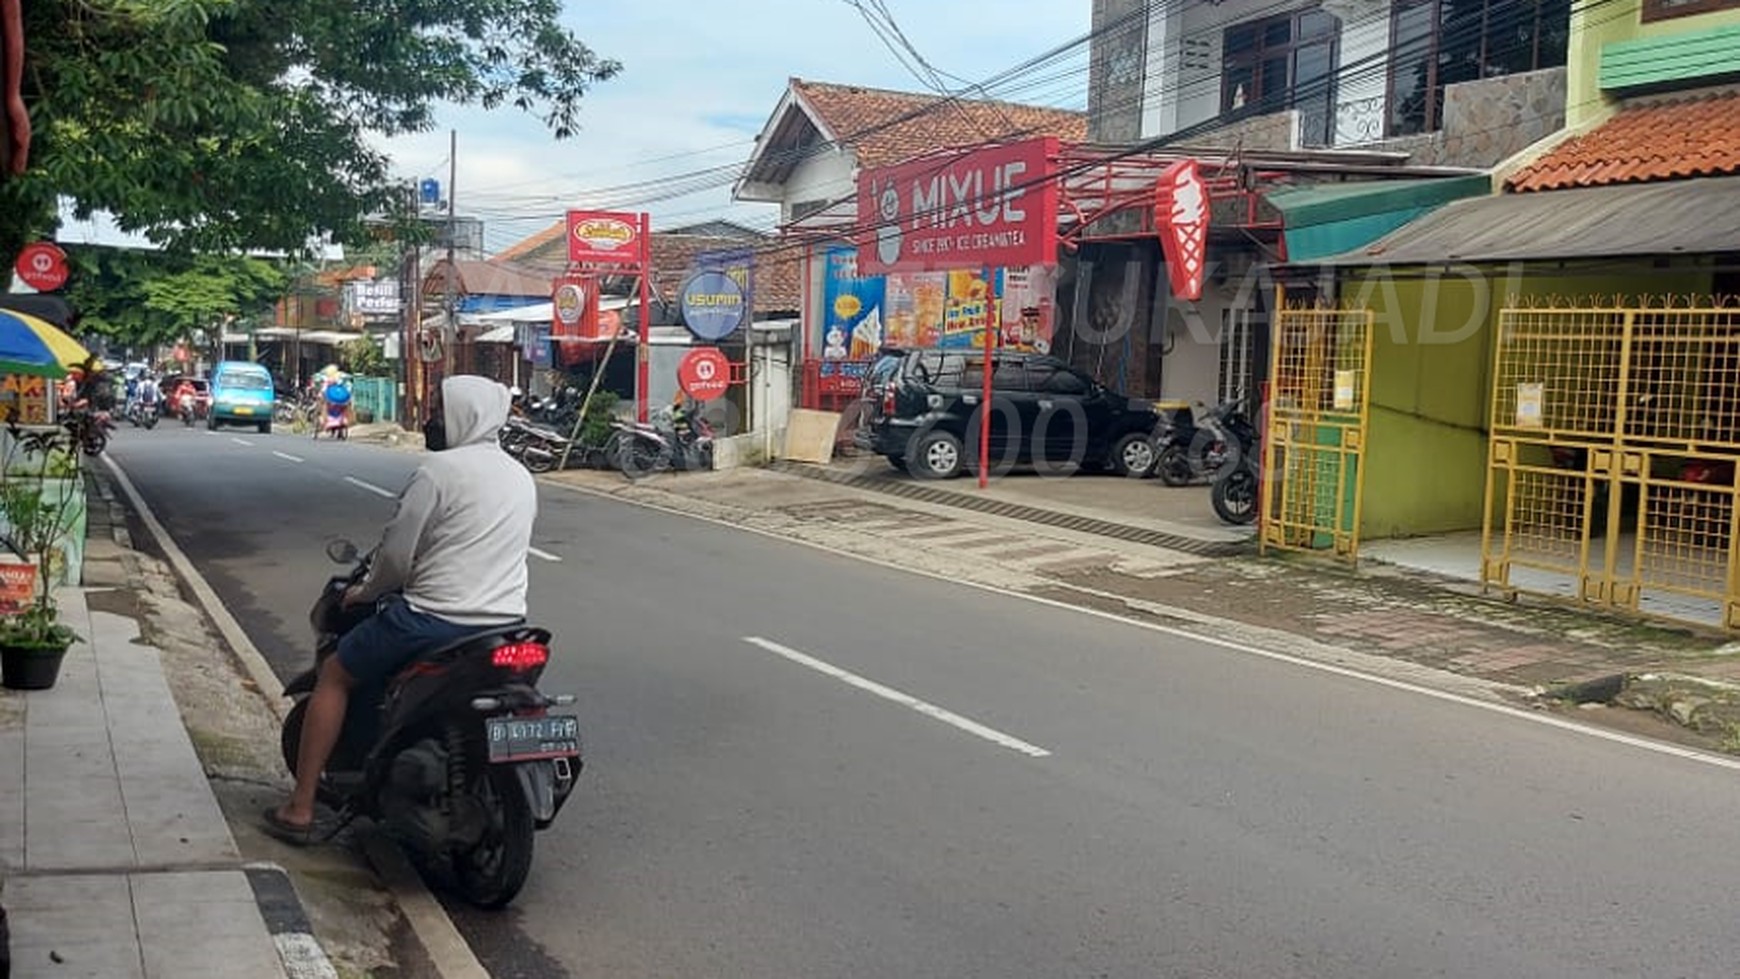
column 32, row 346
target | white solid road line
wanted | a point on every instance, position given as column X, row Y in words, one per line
column 546, row 555
column 372, row 488
column 287, row 456
column 889, row 693
column 239, row 440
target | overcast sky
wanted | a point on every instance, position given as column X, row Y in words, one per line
column 700, row 79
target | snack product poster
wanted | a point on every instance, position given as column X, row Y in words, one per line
column 852, row 313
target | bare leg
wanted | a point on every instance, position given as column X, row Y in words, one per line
column 320, row 730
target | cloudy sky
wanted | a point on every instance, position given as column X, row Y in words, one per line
column 700, row 79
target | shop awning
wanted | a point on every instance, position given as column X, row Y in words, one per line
column 499, row 334
column 1674, row 217
column 1320, row 220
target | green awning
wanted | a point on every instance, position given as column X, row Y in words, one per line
column 1319, row 220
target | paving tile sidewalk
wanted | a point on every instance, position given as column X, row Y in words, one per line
column 115, row 860
column 1403, row 624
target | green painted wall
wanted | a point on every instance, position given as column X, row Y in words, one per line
column 1431, row 386
column 1594, row 26
column 1680, row 60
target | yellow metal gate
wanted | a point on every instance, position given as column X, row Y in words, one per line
column 1314, row 443
column 1615, row 429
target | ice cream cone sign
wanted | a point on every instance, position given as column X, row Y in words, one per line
column 1181, row 218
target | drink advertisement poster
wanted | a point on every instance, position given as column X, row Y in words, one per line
column 851, row 308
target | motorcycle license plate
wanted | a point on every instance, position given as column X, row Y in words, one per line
column 531, row 738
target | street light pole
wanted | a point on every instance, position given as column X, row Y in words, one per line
column 452, row 323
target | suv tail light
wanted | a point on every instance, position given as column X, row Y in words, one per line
column 888, row 400
column 520, row 656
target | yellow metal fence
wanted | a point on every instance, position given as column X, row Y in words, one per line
column 1314, row 443
column 1615, row 430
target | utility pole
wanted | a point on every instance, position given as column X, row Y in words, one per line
column 452, row 270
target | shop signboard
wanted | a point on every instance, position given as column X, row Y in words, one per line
column 925, row 310
column 604, row 236
column 574, row 308
column 991, row 206
column 851, row 308
column 704, row 373
column 717, row 300
column 28, row 394
column 17, row 586
column 1181, row 215
column 42, row 266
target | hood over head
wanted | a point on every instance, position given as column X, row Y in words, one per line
column 474, row 408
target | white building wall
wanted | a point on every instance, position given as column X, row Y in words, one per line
column 827, row 177
column 1190, row 348
column 1184, row 64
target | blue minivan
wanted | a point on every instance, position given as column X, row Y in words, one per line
column 241, row 394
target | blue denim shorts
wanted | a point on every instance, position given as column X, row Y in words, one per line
column 382, row 644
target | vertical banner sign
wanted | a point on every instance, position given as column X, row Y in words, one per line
column 1181, row 218
column 994, row 206
column 603, row 236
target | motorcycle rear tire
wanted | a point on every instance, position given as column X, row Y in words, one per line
column 290, row 745
column 1173, row 467
column 491, row 884
column 538, row 459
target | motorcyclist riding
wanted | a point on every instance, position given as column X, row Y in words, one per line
column 451, row 563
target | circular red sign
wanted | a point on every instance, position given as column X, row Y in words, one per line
column 42, row 266
column 704, row 373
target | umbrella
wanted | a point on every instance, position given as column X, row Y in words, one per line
column 32, row 346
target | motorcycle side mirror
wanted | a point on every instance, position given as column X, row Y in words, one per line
column 342, row 551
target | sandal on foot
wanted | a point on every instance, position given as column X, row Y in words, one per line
column 279, row 828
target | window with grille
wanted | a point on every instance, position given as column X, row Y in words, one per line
column 1236, row 350
column 1435, row 43
column 1285, row 62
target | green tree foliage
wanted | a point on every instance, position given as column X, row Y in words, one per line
column 224, row 125
column 142, row 298
column 363, row 357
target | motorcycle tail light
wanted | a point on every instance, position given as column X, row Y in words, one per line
column 520, row 656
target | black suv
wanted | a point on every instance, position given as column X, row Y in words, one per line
column 922, row 414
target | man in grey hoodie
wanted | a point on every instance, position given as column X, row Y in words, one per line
column 451, row 564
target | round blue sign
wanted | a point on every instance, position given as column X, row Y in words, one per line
column 713, row 305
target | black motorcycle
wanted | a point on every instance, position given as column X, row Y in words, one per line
column 458, row 757
column 1236, row 492
column 1191, row 451
column 683, row 441
column 537, row 448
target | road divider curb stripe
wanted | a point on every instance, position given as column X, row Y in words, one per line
column 447, row 951
column 1207, row 622
column 287, row 922
column 904, row 699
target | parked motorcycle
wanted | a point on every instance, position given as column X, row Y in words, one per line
column 537, row 448
column 90, row 429
column 459, row 757
column 1236, row 492
column 1190, row 451
column 680, row 439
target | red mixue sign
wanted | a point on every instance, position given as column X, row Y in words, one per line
column 994, row 206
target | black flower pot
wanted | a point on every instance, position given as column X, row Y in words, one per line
column 30, row 668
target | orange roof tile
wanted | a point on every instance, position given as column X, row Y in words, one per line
column 887, row 127
column 778, row 270
column 1693, row 137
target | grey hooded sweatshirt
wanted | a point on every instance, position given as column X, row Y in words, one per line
column 457, row 545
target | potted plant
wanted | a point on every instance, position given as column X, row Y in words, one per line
column 39, row 514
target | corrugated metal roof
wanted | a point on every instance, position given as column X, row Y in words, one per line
column 1676, row 217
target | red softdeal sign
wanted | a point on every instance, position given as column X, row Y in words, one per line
column 704, row 373
column 604, row 236
column 995, row 206
column 1181, row 218
column 42, row 266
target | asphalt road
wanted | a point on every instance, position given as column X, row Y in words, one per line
column 804, row 766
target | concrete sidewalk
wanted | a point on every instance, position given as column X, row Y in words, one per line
column 115, row 860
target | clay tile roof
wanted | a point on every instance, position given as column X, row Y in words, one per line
column 1693, row 137
column 778, row 271
column 887, row 127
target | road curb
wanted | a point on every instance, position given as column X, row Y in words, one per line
column 287, row 922
column 446, row 950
